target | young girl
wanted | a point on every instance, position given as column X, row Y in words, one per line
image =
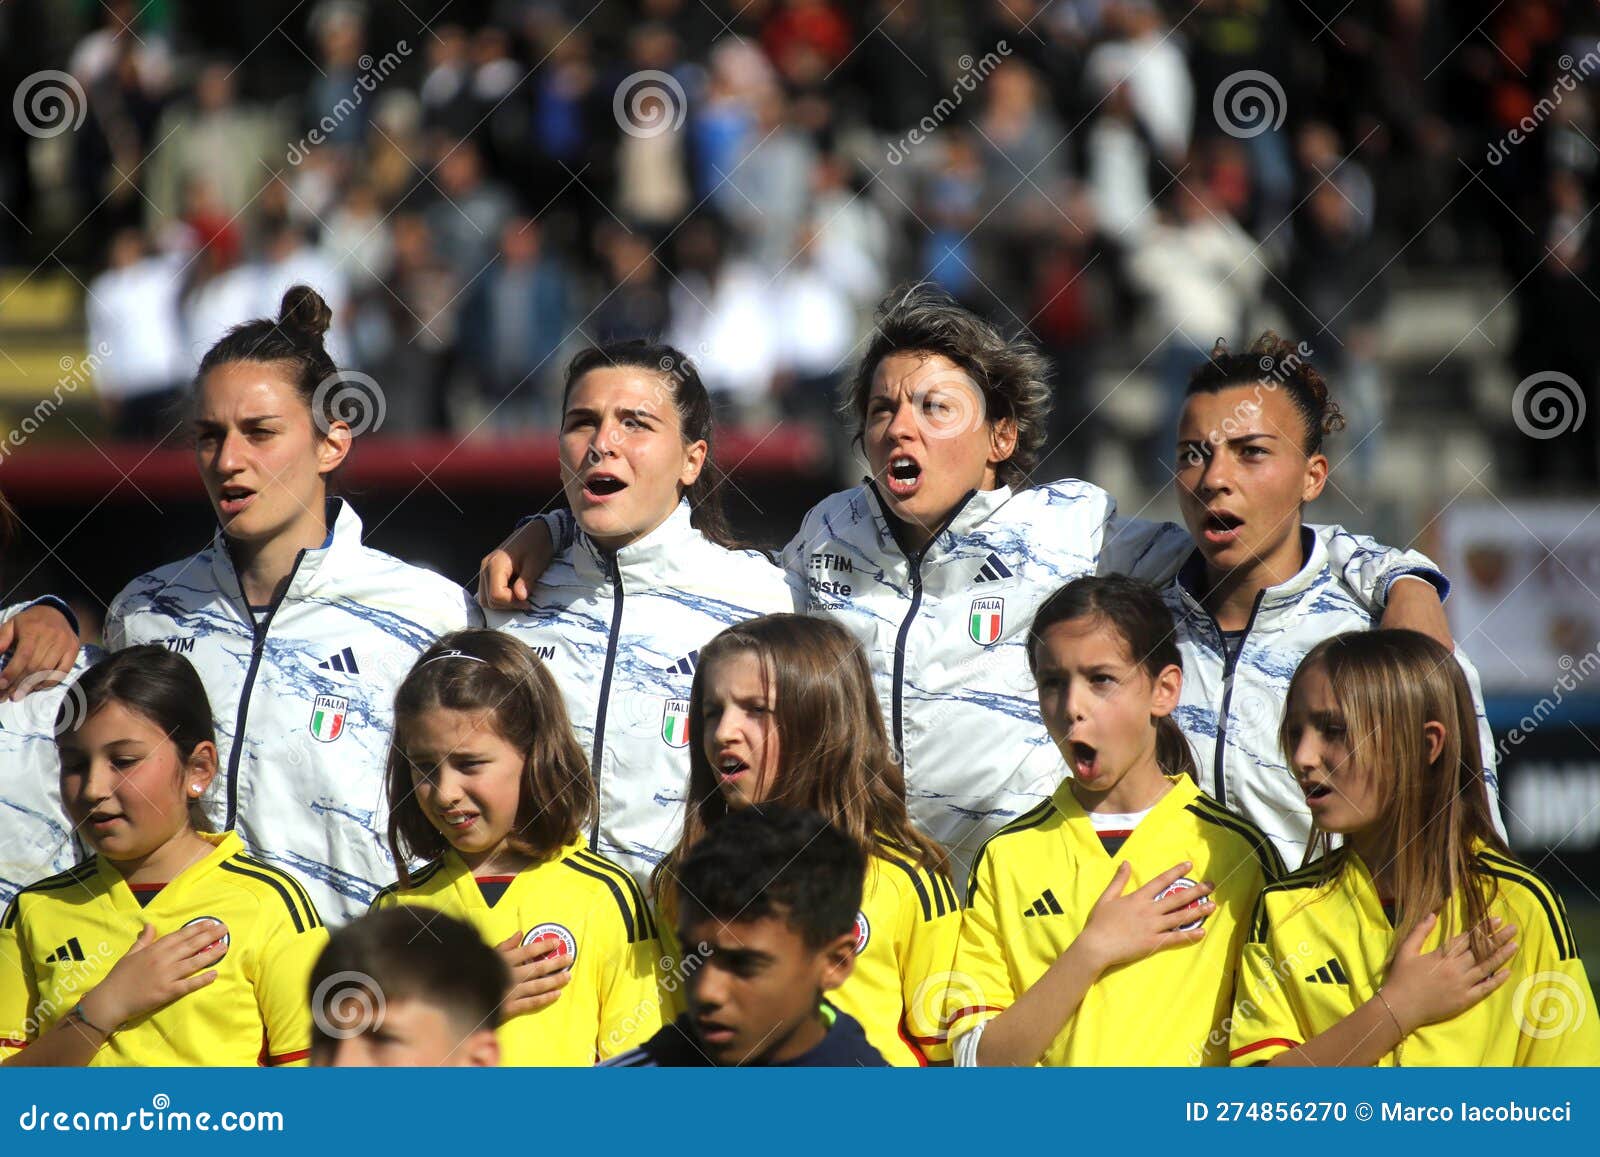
column 1420, row 941
column 300, row 631
column 1103, row 927
column 487, row 782
column 783, row 713
column 1258, row 590
column 171, row 946
column 937, row 562
column 650, row 576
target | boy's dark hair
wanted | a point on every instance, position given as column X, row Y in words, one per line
column 775, row 861
column 156, row 683
column 1134, row 610
column 1273, row 363
column 397, row 954
column 1012, row 373
column 688, row 395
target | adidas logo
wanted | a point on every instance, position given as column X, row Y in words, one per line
column 686, row 665
column 992, row 570
column 1045, row 905
column 71, row 950
column 1329, row 973
column 344, row 661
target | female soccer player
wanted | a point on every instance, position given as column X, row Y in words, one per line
column 487, row 782
column 1420, row 941
column 650, row 575
column 1060, row 962
column 300, row 632
column 1258, row 590
column 940, row 558
column 783, row 713
column 171, row 946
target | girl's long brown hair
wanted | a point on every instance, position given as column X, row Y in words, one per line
column 1388, row 684
column 558, row 793
column 834, row 755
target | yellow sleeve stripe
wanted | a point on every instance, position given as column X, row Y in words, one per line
column 635, row 914
column 1503, row 869
column 272, row 880
column 1032, row 818
column 1271, row 862
column 79, row 875
column 288, row 878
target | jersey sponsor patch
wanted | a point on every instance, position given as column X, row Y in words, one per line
column 553, row 937
column 863, row 932
column 225, row 939
column 986, row 620
column 327, row 717
column 675, row 723
column 1179, row 885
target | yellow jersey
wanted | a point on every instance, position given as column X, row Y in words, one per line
column 1317, row 951
column 1032, row 889
column 906, row 935
column 61, row 936
column 591, row 907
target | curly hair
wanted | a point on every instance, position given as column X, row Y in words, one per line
column 1271, row 362
column 1012, row 374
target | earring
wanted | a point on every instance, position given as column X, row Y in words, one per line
column 194, row 789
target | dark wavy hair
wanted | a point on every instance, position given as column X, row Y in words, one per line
column 1012, row 373
column 1273, row 363
column 693, row 404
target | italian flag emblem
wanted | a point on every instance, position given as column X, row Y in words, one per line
column 986, row 620
column 675, row 723
column 327, row 717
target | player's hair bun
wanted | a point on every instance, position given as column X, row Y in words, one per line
column 304, row 310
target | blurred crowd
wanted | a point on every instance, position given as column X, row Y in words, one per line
column 1127, row 180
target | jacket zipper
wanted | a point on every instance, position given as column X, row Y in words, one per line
column 257, row 648
column 615, row 576
column 897, row 706
column 1229, row 662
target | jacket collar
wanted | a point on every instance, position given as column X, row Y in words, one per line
column 642, row 561
column 315, row 567
column 971, row 512
column 1273, row 600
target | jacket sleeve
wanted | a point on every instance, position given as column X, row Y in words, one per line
column 1369, row 569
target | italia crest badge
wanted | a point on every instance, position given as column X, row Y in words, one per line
column 986, row 620
column 327, row 717
column 675, row 723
